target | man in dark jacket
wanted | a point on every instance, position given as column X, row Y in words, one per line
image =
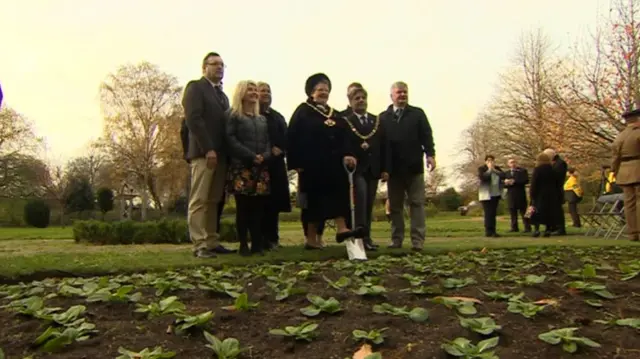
column 410, row 140
column 204, row 105
column 560, row 168
column 516, row 179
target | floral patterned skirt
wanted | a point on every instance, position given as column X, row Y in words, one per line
column 251, row 181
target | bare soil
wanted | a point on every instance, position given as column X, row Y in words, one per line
column 119, row 326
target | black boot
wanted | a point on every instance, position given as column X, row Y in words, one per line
column 244, row 248
column 356, row 233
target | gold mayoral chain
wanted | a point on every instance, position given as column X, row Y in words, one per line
column 328, row 122
column 364, row 138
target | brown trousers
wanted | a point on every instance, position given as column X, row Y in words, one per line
column 207, row 188
column 631, row 213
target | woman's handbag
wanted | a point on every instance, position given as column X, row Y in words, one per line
column 531, row 210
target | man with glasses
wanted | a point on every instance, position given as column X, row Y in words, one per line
column 204, row 105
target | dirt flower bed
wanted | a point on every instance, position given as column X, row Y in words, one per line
column 536, row 303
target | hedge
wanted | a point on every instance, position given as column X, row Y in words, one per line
column 165, row 231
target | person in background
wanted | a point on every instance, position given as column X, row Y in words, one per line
column 204, row 105
column 490, row 192
column 542, row 194
column 319, row 149
column 279, row 197
column 251, row 151
column 560, row 168
column 516, row 180
column 626, row 167
column 573, row 195
column 410, row 140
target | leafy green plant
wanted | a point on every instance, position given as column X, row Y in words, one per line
column 464, row 306
column 370, row 289
column 531, row 279
column 340, row 284
column 625, row 322
column 229, row 348
column 157, row 353
column 318, row 305
column 121, row 295
column 217, row 287
column 595, row 288
column 455, row 283
column 375, row 336
column 165, row 285
column 416, row 314
column 169, row 305
column 305, row 331
column 566, row 337
column 186, row 323
column 502, row 295
column 242, row 304
column 484, row 325
column 53, row 339
column 526, row 309
column 464, row 348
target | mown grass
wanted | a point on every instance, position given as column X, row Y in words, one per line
column 36, row 253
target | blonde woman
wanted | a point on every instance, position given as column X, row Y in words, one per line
column 250, row 150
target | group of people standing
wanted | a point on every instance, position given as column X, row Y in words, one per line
column 549, row 189
column 245, row 148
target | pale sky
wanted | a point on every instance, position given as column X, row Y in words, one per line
column 55, row 53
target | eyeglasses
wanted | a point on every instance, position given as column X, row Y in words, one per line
column 220, row 64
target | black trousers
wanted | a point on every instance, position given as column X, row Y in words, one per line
column 220, row 209
column 270, row 225
column 365, row 194
column 490, row 208
column 575, row 217
column 558, row 218
column 249, row 213
column 514, row 212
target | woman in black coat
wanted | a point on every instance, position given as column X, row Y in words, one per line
column 279, row 199
column 319, row 148
column 543, row 195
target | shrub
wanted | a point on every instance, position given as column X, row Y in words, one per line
column 105, row 200
column 165, row 231
column 37, row 213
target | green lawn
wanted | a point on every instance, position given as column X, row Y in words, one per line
column 39, row 252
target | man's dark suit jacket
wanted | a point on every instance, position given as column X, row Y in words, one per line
column 410, row 139
column 375, row 159
column 204, row 118
column 516, row 192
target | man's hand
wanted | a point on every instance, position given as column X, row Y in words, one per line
column 258, row 160
column 350, row 161
column 276, row 151
column 385, row 176
column 431, row 163
column 212, row 159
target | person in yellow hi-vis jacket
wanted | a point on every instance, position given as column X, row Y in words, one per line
column 573, row 194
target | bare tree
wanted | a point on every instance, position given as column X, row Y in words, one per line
column 140, row 103
column 19, row 170
column 435, row 181
column 604, row 84
column 525, row 117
